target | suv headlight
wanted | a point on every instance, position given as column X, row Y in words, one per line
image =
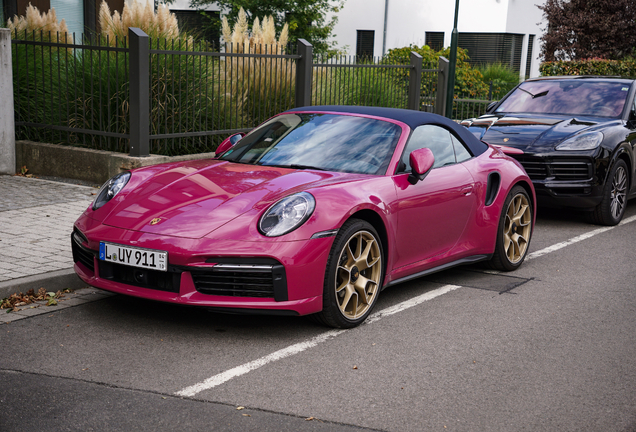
column 110, row 189
column 287, row 214
column 586, row 141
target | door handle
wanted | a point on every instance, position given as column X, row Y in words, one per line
column 467, row 190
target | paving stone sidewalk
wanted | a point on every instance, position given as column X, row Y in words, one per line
column 36, row 220
column 75, row 298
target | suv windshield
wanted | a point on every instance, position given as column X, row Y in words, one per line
column 570, row 96
column 329, row 142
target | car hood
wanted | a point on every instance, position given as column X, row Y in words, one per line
column 531, row 134
column 193, row 199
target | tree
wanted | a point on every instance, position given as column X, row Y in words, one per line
column 307, row 19
column 581, row 29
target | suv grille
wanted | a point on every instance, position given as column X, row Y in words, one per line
column 565, row 170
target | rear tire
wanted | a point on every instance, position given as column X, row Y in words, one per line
column 514, row 232
column 354, row 275
column 612, row 207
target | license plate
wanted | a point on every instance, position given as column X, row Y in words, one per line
column 134, row 256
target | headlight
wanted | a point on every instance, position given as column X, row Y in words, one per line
column 287, row 214
column 586, row 141
column 110, row 189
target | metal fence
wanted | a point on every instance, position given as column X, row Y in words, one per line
column 468, row 107
column 146, row 96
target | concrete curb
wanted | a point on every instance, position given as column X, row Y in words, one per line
column 51, row 281
column 94, row 166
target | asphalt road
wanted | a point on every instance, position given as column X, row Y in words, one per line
column 549, row 347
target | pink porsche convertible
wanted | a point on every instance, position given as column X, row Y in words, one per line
column 315, row 211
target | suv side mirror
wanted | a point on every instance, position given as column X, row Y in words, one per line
column 228, row 143
column 422, row 161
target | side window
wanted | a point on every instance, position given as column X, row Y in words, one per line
column 461, row 153
column 435, row 138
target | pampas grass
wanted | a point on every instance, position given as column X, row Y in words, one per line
column 160, row 25
column 261, row 86
column 40, row 26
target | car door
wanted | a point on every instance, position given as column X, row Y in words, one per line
column 432, row 213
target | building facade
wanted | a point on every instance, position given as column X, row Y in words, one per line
column 505, row 31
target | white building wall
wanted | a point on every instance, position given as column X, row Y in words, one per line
column 409, row 20
column 525, row 17
column 185, row 5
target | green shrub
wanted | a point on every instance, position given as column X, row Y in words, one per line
column 624, row 68
column 358, row 85
column 502, row 77
column 468, row 81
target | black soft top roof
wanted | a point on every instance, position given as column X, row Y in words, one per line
column 411, row 118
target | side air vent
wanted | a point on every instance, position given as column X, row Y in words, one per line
column 492, row 188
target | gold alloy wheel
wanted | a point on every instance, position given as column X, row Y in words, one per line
column 517, row 228
column 358, row 274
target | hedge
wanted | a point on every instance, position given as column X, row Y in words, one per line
column 624, row 68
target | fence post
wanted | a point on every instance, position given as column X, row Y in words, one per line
column 415, row 82
column 139, row 92
column 7, row 124
column 442, row 86
column 304, row 69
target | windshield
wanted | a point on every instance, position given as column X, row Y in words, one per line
column 328, row 142
column 572, row 97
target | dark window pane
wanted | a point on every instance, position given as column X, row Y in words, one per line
column 486, row 48
column 364, row 43
column 435, row 138
column 574, row 97
column 461, row 153
column 324, row 141
column 529, row 56
column 435, row 40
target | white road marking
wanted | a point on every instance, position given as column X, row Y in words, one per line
column 291, row 350
column 577, row 239
column 303, row 346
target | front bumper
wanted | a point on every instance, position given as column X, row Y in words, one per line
column 257, row 277
column 564, row 181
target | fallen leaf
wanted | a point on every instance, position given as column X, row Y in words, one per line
column 309, row 419
column 240, row 408
column 355, row 367
column 246, row 415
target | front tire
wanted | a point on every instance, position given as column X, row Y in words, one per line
column 515, row 229
column 354, row 275
column 612, row 207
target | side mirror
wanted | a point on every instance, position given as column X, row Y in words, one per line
column 422, row 161
column 491, row 106
column 228, row 143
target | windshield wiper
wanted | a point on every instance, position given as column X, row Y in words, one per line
column 298, row 166
column 534, row 96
